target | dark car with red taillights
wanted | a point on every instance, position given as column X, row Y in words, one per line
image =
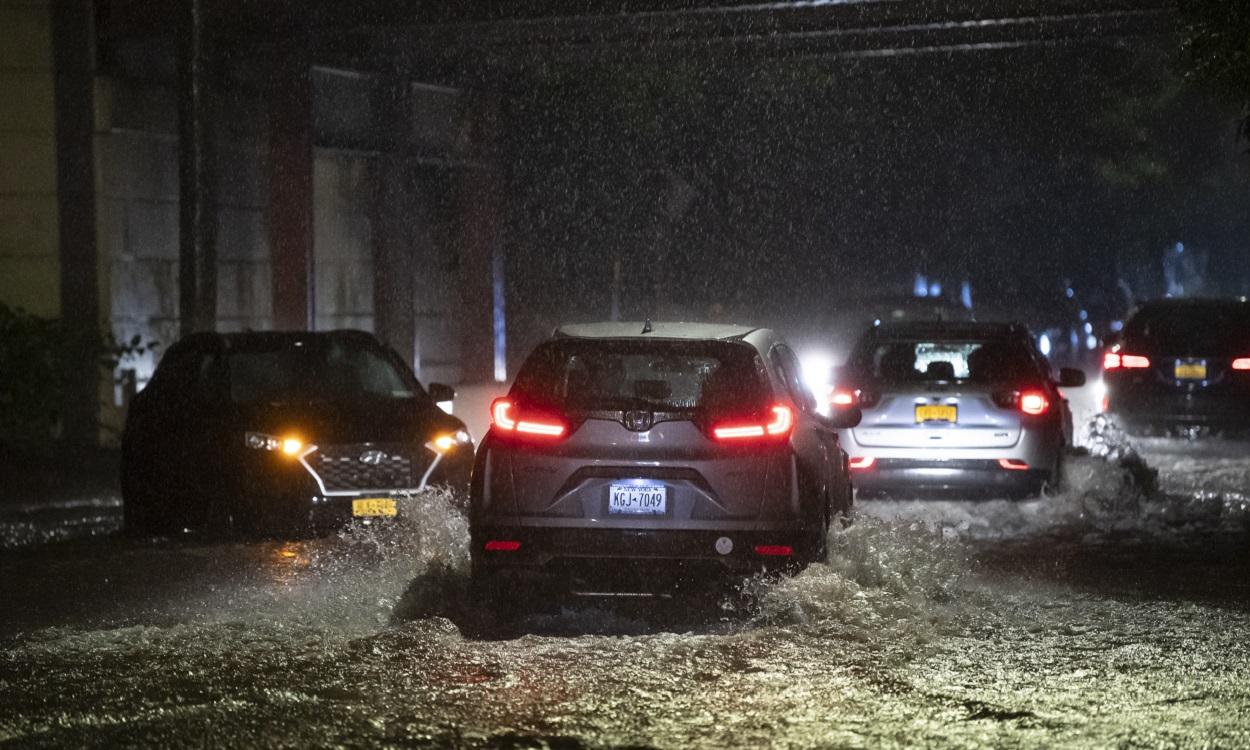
column 1182, row 364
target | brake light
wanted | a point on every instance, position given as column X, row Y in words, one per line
column 842, row 397
column 1029, row 401
column 777, row 427
column 861, row 463
column 1115, row 360
column 502, row 545
column 503, row 415
column 1014, row 464
column 774, row 550
column 1241, row 363
column 1034, row 402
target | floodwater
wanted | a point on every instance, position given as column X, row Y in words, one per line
column 1113, row 614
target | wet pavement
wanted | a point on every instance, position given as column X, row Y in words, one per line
column 1114, row 613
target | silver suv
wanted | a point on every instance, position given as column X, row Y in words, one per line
column 632, row 455
column 954, row 408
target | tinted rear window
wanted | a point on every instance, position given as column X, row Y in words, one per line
column 580, row 375
column 1192, row 329
column 978, row 361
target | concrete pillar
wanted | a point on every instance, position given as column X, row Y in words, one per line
column 394, row 212
column 479, row 229
column 73, row 42
column 290, row 183
column 197, row 184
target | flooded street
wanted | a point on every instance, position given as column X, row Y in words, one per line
column 1112, row 614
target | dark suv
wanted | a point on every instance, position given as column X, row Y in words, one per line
column 637, row 455
column 283, row 430
column 1182, row 364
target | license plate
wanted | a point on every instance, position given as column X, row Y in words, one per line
column 936, row 413
column 374, row 506
column 638, row 499
column 1191, row 371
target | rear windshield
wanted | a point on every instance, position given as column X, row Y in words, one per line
column 1219, row 330
column 653, row 375
column 978, row 361
column 314, row 371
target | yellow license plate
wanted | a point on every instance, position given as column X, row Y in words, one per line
column 1191, row 370
column 374, row 506
column 936, row 413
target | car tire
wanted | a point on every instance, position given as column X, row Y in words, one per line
column 139, row 514
column 1054, row 483
column 816, row 538
column 221, row 520
column 498, row 605
column 136, row 510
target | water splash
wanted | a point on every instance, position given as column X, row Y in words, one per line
column 881, row 576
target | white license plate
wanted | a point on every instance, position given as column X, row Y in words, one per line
column 638, row 499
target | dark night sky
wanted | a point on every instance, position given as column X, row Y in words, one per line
column 818, row 179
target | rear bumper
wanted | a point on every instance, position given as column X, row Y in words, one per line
column 624, row 553
column 1144, row 409
column 909, row 478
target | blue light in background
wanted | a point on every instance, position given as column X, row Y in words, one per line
column 498, row 319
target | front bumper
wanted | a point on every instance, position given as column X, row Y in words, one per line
column 615, row 555
column 979, row 478
column 297, row 497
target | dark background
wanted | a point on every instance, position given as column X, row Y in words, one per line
column 1023, row 171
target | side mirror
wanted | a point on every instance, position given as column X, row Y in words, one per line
column 845, row 417
column 440, row 392
column 1070, row 377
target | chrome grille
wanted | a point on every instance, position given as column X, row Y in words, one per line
column 347, row 468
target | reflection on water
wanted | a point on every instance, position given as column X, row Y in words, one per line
column 368, row 636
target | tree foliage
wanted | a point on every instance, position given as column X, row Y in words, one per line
column 1217, row 48
column 37, row 359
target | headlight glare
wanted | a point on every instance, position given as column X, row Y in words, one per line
column 448, row 441
column 288, row 446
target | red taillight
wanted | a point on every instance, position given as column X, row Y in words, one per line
column 774, row 550
column 1029, row 401
column 842, row 397
column 1014, row 464
column 778, row 426
column 503, row 414
column 1115, row 360
column 861, row 463
column 1241, row 363
column 1034, row 402
column 503, row 545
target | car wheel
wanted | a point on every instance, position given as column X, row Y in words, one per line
column 497, row 604
column 816, row 538
column 136, row 508
column 140, row 516
column 1054, row 483
column 221, row 519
